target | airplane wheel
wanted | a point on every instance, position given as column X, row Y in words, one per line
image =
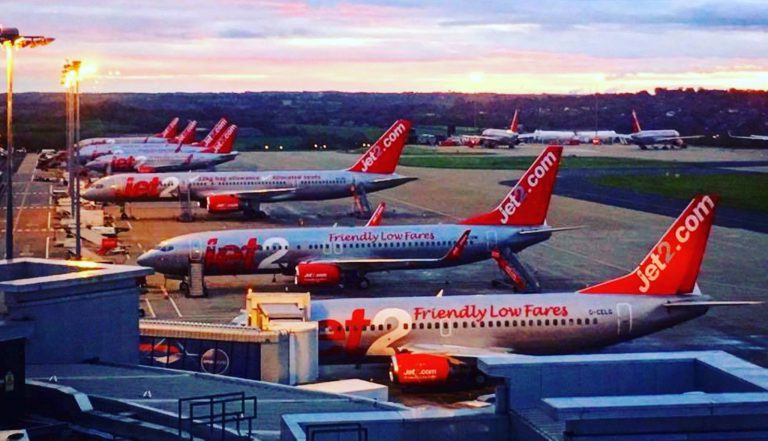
column 363, row 283
column 124, row 216
column 184, row 287
column 480, row 379
column 142, row 313
column 495, row 283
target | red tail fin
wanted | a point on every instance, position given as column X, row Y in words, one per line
column 224, row 143
column 635, row 122
column 214, row 134
column 187, row 135
column 375, row 219
column 513, row 124
column 384, row 154
column 672, row 265
column 170, row 130
column 528, row 201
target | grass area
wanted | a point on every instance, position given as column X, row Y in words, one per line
column 737, row 190
column 413, row 150
column 486, row 162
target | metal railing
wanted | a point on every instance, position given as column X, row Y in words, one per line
column 215, row 412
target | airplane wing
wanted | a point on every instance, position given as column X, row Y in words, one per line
column 453, row 350
column 685, row 304
column 751, row 137
column 255, row 194
column 547, row 229
column 382, row 264
column 673, row 138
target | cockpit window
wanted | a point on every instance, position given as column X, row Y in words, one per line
column 98, row 186
column 165, row 248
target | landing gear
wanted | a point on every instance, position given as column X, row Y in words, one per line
column 363, row 283
column 253, row 211
column 184, row 288
column 357, row 280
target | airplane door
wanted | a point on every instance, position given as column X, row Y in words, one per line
column 624, row 318
column 445, row 328
column 491, row 240
column 196, row 250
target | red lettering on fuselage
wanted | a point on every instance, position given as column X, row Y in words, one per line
column 134, row 189
column 230, row 258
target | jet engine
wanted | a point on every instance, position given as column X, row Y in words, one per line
column 419, row 369
column 317, row 274
column 223, row 203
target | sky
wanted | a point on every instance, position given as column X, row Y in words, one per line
column 501, row 46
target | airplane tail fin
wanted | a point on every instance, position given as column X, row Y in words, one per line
column 187, row 136
column 672, row 265
column 225, row 141
column 513, row 124
column 635, row 122
column 384, row 154
column 528, row 201
column 214, row 134
column 170, row 130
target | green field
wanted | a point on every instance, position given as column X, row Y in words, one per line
column 493, row 162
column 737, row 190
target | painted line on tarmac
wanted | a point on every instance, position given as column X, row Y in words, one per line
column 47, row 246
column 151, row 309
column 442, row 213
column 173, row 303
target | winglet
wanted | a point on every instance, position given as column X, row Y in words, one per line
column 384, row 154
column 528, row 201
column 635, row 122
column 458, row 248
column 377, row 215
column 672, row 265
column 170, row 130
column 513, row 124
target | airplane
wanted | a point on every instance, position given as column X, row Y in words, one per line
column 153, row 160
column 344, row 255
column 430, row 340
column 666, row 137
column 91, row 152
column 752, row 137
column 495, row 137
column 225, row 192
column 565, row 137
column 167, row 135
column 598, row 137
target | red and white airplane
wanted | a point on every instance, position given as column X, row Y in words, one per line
column 428, row 339
column 344, row 255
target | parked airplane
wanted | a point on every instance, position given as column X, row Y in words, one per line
column 344, row 255
column 496, row 137
column 428, row 339
column 667, row 138
column 207, row 145
column 223, row 192
column 752, row 137
column 165, row 136
column 154, row 160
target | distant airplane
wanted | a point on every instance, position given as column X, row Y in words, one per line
column 598, row 137
column 165, row 136
column 752, row 137
column 207, row 145
column 496, row 137
column 430, row 339
column 158, row 162
column 344, row 255
column 223, row 192
column 664, row 137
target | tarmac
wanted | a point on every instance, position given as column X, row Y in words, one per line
column 611, row 242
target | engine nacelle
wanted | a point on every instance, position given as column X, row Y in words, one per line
column 317, row 274
column 419, row 369
column 223, row 203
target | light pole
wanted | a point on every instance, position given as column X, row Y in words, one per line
column 10, row 40
column 71, row 79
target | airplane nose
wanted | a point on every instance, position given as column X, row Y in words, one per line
column 149, row 259
column 89, row 193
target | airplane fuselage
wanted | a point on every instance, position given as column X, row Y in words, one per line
column 279, row 250
column 501, row 136
column 650, row 137
column 167, row 161
column 92, row 152
column 355, row 330
column 304, row 185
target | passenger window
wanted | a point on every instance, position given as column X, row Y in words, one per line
column 429, row 325
column 474, row 324
column 594, row 321
column 490, row 324
column 381, row 327
column 514, row 323
column 546, row 322
column 455, row 325
column 538, row 322
column 482, row 324
column 570, row 321
column 578, row 321
column 405, row 325
column 464, row 325
column 498, row 324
